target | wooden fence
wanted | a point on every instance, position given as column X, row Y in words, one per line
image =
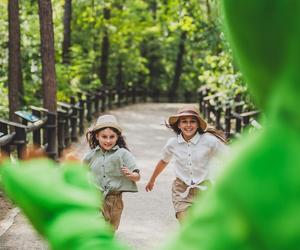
column 42, row 127
column 227, row 114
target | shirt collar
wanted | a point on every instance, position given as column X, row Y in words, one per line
column 193, row 140
column 114, row 148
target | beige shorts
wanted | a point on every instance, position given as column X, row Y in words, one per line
column 181, row 204
column 112, row 209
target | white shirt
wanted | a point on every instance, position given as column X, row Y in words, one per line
column 195, row 160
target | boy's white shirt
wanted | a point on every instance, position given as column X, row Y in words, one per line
column 196, row 160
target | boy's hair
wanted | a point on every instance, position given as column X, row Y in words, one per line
column 217, row 133
column 93, row 142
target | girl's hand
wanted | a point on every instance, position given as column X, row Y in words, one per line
column 149, row 186
column 126, row 171
column 134, row 176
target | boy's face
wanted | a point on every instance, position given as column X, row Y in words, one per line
column 107, row 138
column 188, row 126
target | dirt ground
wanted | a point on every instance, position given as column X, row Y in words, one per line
column 5, row 206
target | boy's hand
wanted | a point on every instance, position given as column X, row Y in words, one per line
column 149, row 186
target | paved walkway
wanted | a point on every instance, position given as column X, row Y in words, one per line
column 148, row 218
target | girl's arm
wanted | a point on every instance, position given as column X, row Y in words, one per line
column 158, row 169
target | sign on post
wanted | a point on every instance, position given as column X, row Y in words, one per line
column 27, row 116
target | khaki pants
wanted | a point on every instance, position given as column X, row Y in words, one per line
column 112, row 209
column 181, row 204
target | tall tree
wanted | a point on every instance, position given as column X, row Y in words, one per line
column 178, row 68
column 48, row 70
column 67, row 31
column 103, row 70
column 15, row 80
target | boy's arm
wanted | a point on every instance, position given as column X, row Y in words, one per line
column 158, row 169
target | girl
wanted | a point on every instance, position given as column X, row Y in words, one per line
column 113, row 167
column 194, row 150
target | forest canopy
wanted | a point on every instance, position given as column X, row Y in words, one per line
column 169, row 47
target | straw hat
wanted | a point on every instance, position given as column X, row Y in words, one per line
column 105, row 121
column 188, row 110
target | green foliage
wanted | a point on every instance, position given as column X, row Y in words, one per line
column 144, row 39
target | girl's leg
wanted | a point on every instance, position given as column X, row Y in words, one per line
column 116, row 211
column 112, row 209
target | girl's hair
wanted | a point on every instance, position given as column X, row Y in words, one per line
column 93, row 142
column 217, row 133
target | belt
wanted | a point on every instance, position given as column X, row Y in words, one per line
column 201, row 185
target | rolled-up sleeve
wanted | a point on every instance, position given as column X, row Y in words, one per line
column 167, row 151
column 129, row 161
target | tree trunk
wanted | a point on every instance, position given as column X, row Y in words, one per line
column 119, row 75
column 15, row 81
column 48, row 73
column 103, row 70
column 67, row 32
column 48, row 55
column 208, row 10
column 173, row 95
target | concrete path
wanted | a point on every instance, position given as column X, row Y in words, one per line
column 148, row 218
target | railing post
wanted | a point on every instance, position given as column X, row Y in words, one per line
column 20, row 141
column 36, row 134
column 73, row 120
column 89, row 107
column 119, row 94
column 227, row 121
column 109, row 93
column 127, row 93
column 103, row 100
column 200, row 100
column 238, row 109
column 67, row 135
column 4, row 129
column 51, row 126
column 134, row 94
column 81, row 113
column 145, row 94
column 218, row 115
column 96, row 103
column 61, row 122
column 246, row 121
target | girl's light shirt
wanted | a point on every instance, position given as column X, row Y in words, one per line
column 106, row 171
column 195, row 160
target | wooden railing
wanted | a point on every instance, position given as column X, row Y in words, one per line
column 65, row 125
column 227, row 114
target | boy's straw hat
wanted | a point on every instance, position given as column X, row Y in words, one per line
column 105, row 121
column 186, row 111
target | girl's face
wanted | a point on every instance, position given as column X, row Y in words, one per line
column 188, row 126
column 107, row 138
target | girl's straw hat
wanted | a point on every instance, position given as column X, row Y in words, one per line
column 105, row 121
column 187, row 111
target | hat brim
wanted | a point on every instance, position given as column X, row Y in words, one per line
column 174, row 118
column 106, row 125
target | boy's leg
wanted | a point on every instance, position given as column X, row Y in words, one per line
column 180, row 216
